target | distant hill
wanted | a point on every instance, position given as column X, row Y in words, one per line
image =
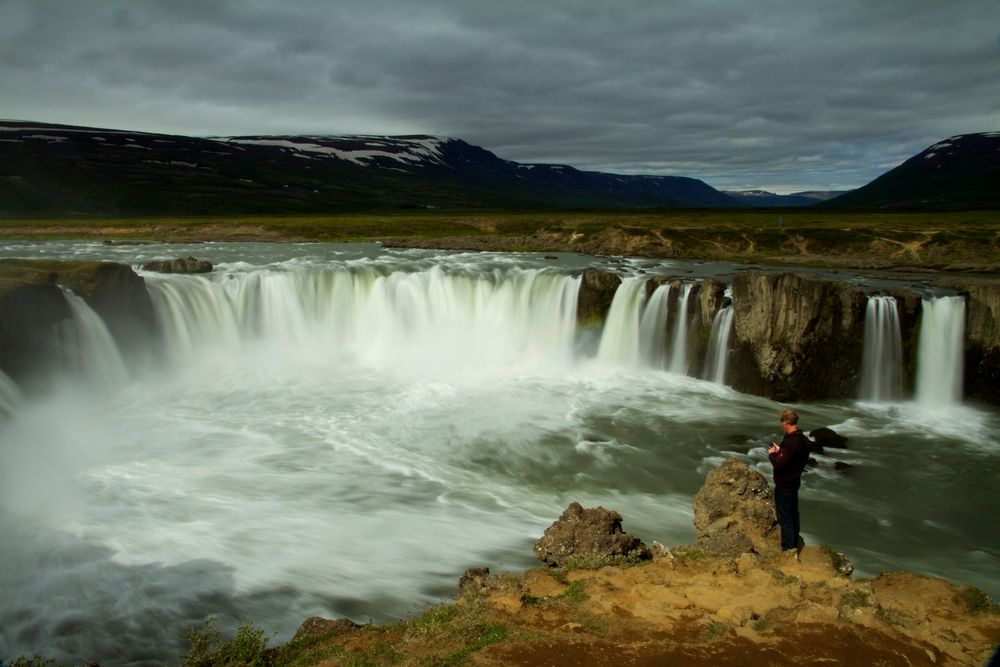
column 763, row 198
column 961, row 172
column 48, row 169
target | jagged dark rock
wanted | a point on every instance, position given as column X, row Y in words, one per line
column 32, row 305
column 734, row 512
column 473, row 580
column 316, row 626
column 580, row 532
column 597, row 290
column 826, row 437
column 796, row 337
column 179, row 265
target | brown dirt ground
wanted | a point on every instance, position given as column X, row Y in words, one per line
column 695, row 609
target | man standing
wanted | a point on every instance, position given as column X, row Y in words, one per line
column 788, row 460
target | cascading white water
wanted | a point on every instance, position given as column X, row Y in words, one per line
column 882, row 360
column 404, row 319
column 653, row 328
column 87, row 349
column 620, row 337
column 939, row 351
column 679, row 354
column 10, row 395
column 718, row 346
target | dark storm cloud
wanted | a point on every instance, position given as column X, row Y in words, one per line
column 778, row 94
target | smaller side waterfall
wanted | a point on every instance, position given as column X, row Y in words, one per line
column 882, row 360
column 620, row 338
column 87, row 347
column 678, row 356
column 718, row 346
column 653, row 328
column 10, row 395
column 939, row 351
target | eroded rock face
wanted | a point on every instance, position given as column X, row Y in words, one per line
column 597, row 290
column 32, row 306
column 179, row 265
column 580, row 532
column 734, row 512
column 796, row 337
column 982, row 353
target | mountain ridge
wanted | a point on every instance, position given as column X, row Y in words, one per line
column 47, row 168
column 957, row 173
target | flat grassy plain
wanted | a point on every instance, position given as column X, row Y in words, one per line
column 963, row 241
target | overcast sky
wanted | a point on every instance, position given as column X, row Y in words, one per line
column 774, row 94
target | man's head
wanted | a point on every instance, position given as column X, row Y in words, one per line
column 789, row 420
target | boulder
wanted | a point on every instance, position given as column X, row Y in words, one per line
column 826, row 437
column 580, row 532
column 316, row 626
column 473, row 580
column 179, row 265
column 734, row 512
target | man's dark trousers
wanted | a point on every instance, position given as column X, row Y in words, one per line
column 786, row 505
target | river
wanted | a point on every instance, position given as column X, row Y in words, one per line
column 342, row 430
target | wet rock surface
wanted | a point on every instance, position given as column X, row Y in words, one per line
column 734, row 512
column 180, row 265
column 580, row 533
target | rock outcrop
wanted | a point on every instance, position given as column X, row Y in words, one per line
column 982, row 347
column 597, row 291
column 585, row 533
column 180, row 265
column 33, row 304
column 796, row 337
column 734, row 512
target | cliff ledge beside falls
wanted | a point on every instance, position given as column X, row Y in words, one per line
column 733, row 600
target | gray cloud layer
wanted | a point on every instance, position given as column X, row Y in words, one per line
column 780, row 94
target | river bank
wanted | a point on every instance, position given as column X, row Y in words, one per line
column 607, row 599
column 887, row 240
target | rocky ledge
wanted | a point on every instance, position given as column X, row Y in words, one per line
column 732, row 598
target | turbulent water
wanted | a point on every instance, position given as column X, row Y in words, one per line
column 342, row 430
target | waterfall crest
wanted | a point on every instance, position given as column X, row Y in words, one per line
column 718, row 346
column 882, row 360
column 431, row 317
column 620, row 338
column 678, row 356
column 939, row 351
column 87, row 349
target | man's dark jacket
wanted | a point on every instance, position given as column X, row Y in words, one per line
column 790, row 460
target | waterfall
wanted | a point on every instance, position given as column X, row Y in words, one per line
column 433, row 319
column 939, row 351
column 718, row 346
column 653, row 328
column 678, row 357
column 620, row 338
column 882, row 362
column 87, row 348
column 10, row 395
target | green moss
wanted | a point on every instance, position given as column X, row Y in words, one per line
column 575, row 593
column 208, row 650
column 974, row 600
column 714, row 630
column 856, row 599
